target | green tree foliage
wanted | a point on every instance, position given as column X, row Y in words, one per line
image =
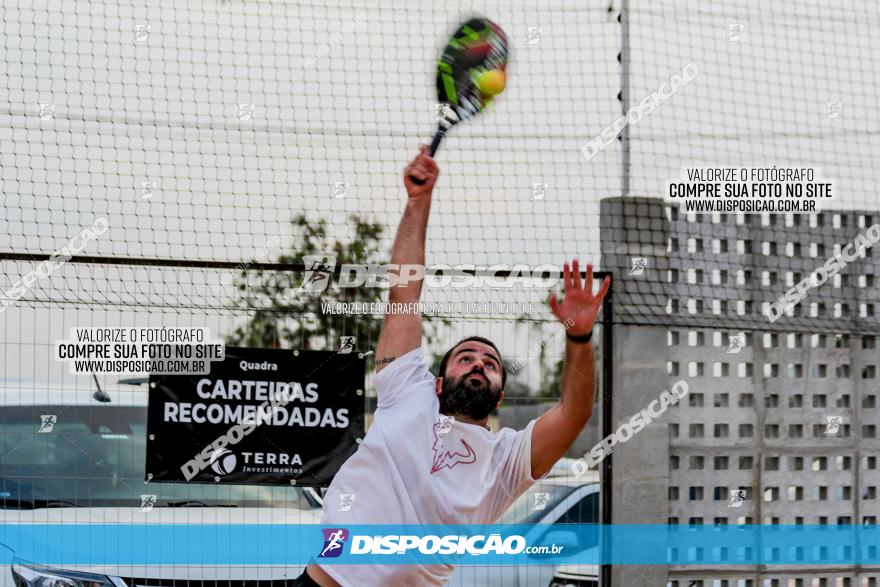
column 283, row 317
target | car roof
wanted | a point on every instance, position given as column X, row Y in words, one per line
column 33, row 394
column 561, row 474
column 571, row 480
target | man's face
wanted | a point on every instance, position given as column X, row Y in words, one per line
column 471, row 385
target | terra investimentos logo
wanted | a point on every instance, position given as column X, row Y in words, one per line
column 223, row 461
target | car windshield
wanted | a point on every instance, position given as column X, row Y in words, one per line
column 95, row 456
column 523, row 511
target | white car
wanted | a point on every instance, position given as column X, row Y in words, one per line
column 576, row 576
column 87, row 466
column 76, row 456
column 565, row 500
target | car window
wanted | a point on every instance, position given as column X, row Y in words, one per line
column 586, row 511
column 96, row 456
column 532, row 505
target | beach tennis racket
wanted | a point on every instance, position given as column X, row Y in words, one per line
column 471, row 71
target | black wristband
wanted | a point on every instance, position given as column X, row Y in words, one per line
column 585, row 338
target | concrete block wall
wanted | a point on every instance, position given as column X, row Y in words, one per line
column 757, row 417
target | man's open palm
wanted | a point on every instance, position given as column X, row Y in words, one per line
column 579, row 306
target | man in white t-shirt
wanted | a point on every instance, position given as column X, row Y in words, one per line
column 429, row 456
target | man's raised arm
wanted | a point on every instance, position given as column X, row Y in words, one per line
column 557, row 429
column 402, row 332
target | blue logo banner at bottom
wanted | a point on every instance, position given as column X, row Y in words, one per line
column 583, row 544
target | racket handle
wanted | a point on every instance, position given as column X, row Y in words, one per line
column 435, row 144
column 441, row 132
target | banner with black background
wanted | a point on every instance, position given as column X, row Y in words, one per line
column 261, row 417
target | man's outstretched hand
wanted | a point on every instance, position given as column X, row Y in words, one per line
column 424, row 169
column 558, row 427
column 579, row 306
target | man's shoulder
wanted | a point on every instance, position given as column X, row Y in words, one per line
column 405, row 381
column 505, row 438
column 507, row 431
column 408, row 366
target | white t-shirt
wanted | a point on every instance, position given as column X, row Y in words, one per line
column 416, row 466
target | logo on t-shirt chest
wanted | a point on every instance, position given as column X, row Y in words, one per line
column 457, row 452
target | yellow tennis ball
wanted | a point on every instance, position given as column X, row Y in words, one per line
column 492, row 82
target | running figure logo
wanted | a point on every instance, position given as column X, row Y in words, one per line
column 444, row 425
column 736, row 343
column 317, row 274
column 441, row 111
column 639, row 264
column 147, row 189
column 147, row 502
column 340, row 189
column 534, row 35
column 346, row 344
column 334, row 539
column 539, row 190
column 735, row 31
column 737, row 497
column 832, row 424
column 346, row 500
column 47, row 423
column 541, row 500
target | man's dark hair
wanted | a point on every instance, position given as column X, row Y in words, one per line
column 442, row 371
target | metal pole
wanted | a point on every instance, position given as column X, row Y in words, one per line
column 607, row 414
column 623, row 96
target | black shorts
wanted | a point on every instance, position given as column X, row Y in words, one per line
column 304, row 580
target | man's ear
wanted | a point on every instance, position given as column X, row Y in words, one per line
column 438, row 385
column 500, row 399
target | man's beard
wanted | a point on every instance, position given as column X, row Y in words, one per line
column 468, row 397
